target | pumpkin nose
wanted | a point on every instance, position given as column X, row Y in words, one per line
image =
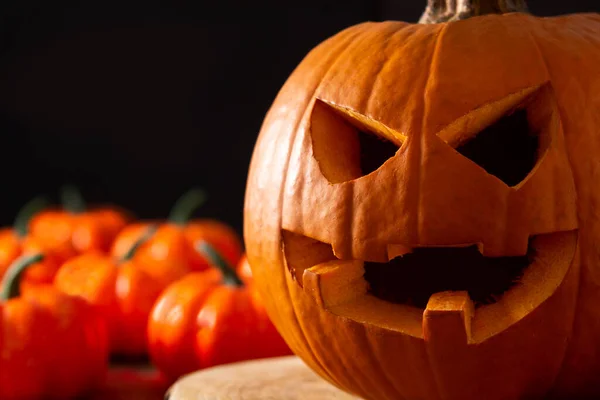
column 461, row 203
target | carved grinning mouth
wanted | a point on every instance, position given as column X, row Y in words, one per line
column 412, row 278
column 418, row 274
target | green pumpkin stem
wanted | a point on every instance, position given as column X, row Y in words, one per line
column 230, row 277
column 138, row 243
column 32, row 207
column 11, row 283
column 438, row 11
column 186, row 205
column 72, row 200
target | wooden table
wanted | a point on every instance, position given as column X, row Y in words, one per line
column 282, row 378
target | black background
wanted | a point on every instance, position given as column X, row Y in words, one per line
column 136, row 101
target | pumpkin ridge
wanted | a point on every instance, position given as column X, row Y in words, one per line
column 418, row 171
column 377, row 75
column 348, row 226
column 382, row 372
column 341, row 49
column 351, row 226
column 569, row 337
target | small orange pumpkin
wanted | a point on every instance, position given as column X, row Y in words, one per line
column 123, row 289
column 52, row 345
column 173, row 241
column 16, row 241
column 76, row 226
column 209, row 318
column 421, row 212
column 11, row 239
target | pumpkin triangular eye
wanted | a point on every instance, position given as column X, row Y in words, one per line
column 348, row 145
column 507, row 149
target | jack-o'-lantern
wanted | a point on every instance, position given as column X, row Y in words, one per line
column 421, row 211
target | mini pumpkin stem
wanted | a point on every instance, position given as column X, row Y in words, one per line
column 72, row 199
column 186, row 205
column 32, row 207
column 230, row 277
column 11, row 283
column 138, row 243
column 453, row 10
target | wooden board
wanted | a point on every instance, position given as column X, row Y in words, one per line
column 282, row 378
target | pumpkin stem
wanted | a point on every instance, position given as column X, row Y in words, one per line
column 185, row 206
column 452, row 10
column 11, row 283
column 138, row 243
column 230, row 277
column 72, row 200
column 32, row 207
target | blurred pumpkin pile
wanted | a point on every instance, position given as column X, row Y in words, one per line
column 81, row 286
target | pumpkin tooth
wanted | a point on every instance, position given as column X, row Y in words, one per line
column 396, row 250
column 480, row 248
column 447, row 320
column 301, row 252
column 335, row 282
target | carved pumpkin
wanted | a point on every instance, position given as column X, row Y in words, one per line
column 421, row 212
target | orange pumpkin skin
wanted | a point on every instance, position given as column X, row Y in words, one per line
column 77, row 228
column 16, row 240
column 124, row 292
column 91, row 230
column 174, row 240
column 244, row 270
column 172, row 343
column 421, row 85
column 39, row 274
column 220, row 235
column 166, row 247
column 174, row 244
column 10, row 248
column 201, row 321
column 53, row 346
